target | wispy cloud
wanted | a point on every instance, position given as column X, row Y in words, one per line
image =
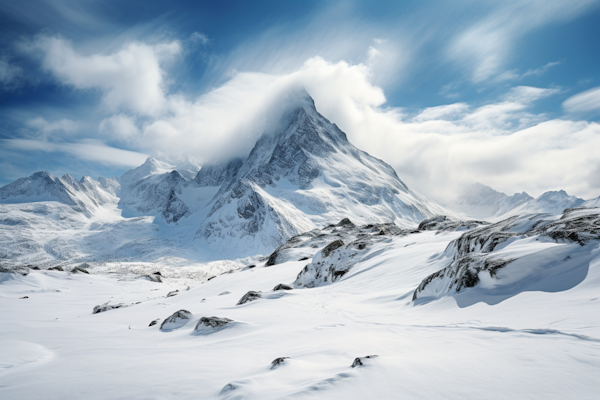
column 90, row 150
column 583, row 102
column 199, row 37
column 10, row 74
column 486, row 46
column 47, row 127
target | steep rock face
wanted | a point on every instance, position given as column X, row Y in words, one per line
column 304, row 175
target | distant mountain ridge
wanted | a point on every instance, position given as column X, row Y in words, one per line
column 481, row 201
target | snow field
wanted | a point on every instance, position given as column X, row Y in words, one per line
column 533, row 344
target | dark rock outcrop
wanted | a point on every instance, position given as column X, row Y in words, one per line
column 331, row 247
column 443, row 223
column 176, row 320
column 358, row 361
column 250, row 296
column 473, row 251
column 155, row 277
column 106, row 307
column 282, row 286
column 154, row 322
column 278, row 361
column 79, row 269
column 212, row 322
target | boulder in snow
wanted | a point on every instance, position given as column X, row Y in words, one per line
column 250, row 296
column 278, row 361
column 177, row 320
column 358, row 361
column 211, row 323
column 106, row 307
column 282, row 286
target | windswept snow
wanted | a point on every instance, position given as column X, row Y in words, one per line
column 537, row 339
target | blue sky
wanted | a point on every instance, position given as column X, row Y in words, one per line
column 506, row 93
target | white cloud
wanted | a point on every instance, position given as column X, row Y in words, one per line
column 501, row 144
column 529, row 94
column 131, row 78
column 583, row 102
column 121, row 127
column 541, row 70
column 90, row 150
column 47, row 127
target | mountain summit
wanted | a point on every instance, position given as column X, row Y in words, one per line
column 304, row 175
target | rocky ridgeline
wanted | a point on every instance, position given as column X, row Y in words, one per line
column 306, row 245
column 473, row 252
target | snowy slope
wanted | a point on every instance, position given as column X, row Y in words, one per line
column 536, row 339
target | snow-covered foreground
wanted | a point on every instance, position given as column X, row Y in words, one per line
column 530, row 344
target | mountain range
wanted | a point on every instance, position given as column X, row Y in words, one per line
column 304, row 269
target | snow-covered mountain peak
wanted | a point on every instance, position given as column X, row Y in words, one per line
column 554, row 202
column 304, row 175
column 151, row 166
column 85, row 195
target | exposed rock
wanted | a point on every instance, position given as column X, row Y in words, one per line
column 250, row 296
column 303, row 259
column 272, row 259
column 333, row 262
column 346, row 222
column 251, row 265
column 331, row 247
column 79, row 269
column 155, row 277
column 282, row 286
column 157, row 273
column 358, row 361
column 224, row 293
column 176, row 320
column 278, row 361
column 173, row 293
column 36, row 268
column 106, row 307
column 17, row 269
column 445, row 224
column 473, row 251
column 24, row 297
column 212, row 322
column 211, row 278
column 57, row 268
column 154, row 322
